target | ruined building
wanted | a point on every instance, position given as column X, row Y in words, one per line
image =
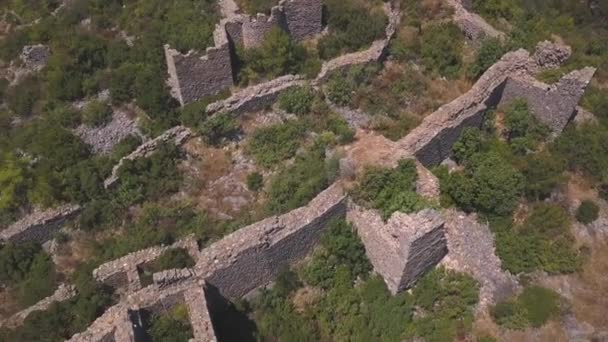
column 195, row 75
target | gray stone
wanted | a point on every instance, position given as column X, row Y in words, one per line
column 404, row 248
column 40, row 226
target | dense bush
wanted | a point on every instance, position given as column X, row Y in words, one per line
column 254, row 7
column 97, row 113
column 278, row 55
column 353, row 25
column 524, row 131
column 390, row 190
column 591, row 160
column 441, row 47
column 173, row 326
column 339, row 246
column 490, row 52
column 489, row 184
column 273, row 144
column 543, row 173
column 297, row 100
column 219, row 127
column 301, row 182
column 255, row 181
column 22, row 97
column 543, row 241
column 587, row 212
column 534, row 307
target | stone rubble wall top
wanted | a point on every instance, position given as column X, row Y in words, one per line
column 473, row 25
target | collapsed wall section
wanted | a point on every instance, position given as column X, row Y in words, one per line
column 404, row 248
column 254, row 255
column 40, row 226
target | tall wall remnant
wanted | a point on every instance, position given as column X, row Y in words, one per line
column 404, row 248
column 554, row 105
column 194, row 75
column 40, row 226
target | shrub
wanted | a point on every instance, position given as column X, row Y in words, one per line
column 22, row 97
column 174, row 326
column 523, row 127
column 491, row 50
column 255, row 181
column 390, row 190
column 533, row 307
column 273, row 144
column 97, row 113
column 301, row 182
column 587, row 212
column 441, row 49
column 219, row 127
column 297, row 100
column 352, row 26
column 340, row 90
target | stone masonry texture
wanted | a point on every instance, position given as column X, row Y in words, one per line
column 39, row 226
column 402, row 249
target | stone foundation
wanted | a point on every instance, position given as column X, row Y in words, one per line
column 402, row 249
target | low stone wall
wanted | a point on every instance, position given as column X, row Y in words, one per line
column 40, row 226
column 63, row 292
column 256, row 97
column 373, row 54
column 554, row 105
column 402, row 249
column 254, row 29
column 177, row 135
column 254, row 255
column 304, row 18
column 122, row 273
column 471, row 24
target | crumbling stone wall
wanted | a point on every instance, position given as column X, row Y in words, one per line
column 555, row 105
column 63, row 293
column 256, row 97
column 471, row 24
column 471, row 250
column 35, row 57
column 431, row 142
column 179, row 135
column 375, row 53
column 40, row 226
column 254, row 255
column 123, row 273
column 304, row 18
column 195, row 75
column 402, row 249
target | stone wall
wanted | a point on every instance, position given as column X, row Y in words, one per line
column 304, row 18
column 555, row 105
column 432, row 141
column 195, row 75
column 123, row 273
column 254, row 255
column 256, row 97
column 471, row 24
column 63, row 292
column 177, row 135
column 471, row 250
column 40, row 226
column 402, row 249
column 375, row 53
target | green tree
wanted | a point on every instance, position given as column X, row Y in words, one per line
column 587, row 212
column 255, row 181
column 12, row 182
column 491, row 50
